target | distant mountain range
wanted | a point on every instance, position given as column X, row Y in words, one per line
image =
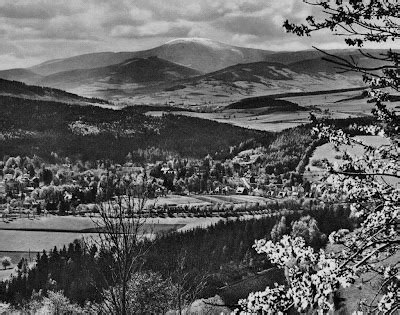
column 193, row 66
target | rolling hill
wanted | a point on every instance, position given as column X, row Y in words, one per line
column 245, row 80
column 191, row 71
column 20, row 74
column 136, row 71
column 86, row 61
column 201, row 54
column 151, row 81
column 22, row 90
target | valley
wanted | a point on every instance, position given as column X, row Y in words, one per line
column 195, row 147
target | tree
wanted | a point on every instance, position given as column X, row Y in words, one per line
column 46, row 176
column 187, row 286
column 149, row 293
column 313, row 278
column 307, row 228
column 121, row 237
column 279, row 229
column 56, row 303
column 6, row 262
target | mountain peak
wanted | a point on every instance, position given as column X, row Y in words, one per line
column 198, row 40
column 190, row 39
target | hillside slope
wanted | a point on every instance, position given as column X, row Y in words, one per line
column 19, row 74
column 245, row 80
column 202, row 54
column 86, row 61
column 22, row 90
column 39, row 127
column 139, row 71
column 205, row 55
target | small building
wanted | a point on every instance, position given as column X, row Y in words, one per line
column 242, row 190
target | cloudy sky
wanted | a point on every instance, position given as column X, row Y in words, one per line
column 32, row 31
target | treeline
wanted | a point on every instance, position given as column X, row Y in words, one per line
column 267, row 102
column 221, row 254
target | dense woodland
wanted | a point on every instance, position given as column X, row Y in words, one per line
column 221, row 254
column 39, row 127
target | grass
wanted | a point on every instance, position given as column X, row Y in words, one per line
column 15, row 259
column 328, row 152
column 23, row 235
column 25, row 241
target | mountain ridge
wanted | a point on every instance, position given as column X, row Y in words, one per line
column 131, row 71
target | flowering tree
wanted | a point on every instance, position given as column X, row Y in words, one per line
column 368, row 182
column 5, row 262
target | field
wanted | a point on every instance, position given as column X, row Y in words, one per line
column 327, row 151
column 206, row 199
column 23, row 235
column 268, row 122
column 212, row 92
column 336, row 105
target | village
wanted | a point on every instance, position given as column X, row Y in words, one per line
column 176, row 186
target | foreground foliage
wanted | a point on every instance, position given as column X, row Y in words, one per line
column 313, row 277
column 220, row 252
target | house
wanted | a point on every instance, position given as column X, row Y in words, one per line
column 242, row 190
column 282, row 194
column 167, row 170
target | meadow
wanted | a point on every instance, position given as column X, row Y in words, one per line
column 334, row 156
column 335, row 105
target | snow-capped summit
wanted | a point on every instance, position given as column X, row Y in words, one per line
column 206, row 55
column 198, row 40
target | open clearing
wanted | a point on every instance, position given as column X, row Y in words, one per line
column 25, row 234
column 328, row 151
column 338, row 105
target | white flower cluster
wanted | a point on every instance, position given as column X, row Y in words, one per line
column 312, row 278
column 372, row 130
column 335, row 136
column 389, row 300
column 270, row 301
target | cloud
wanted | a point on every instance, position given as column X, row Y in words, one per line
column 153, row 29
column 48, row 29
column 249, row 24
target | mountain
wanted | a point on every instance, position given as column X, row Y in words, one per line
column 136, row 71
column 20, row 74
column 22, row 90
column 231, row 84
column 314, row 61
column 86, row 61
column 268, row 74
column 251, row 72
column 201, row 54
column 192, row 71
column 205, row 55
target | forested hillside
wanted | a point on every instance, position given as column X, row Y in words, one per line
column 22, row 90
column 89, row 133
column 221, row 254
